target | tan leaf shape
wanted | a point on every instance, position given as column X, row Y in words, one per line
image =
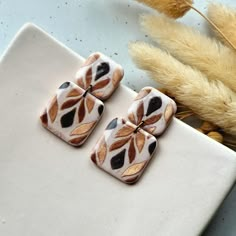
column 88, row 77
column 119, row 144
column 125, row 131
column 90, row 60
column 74, row 93
column 81, row 111
column 69, row 103
column 101, row 84
column 140, row 141
column 134, row 169
column 90, row 101
column 153, row 119
column 143, row 93
column 78, row 141
column 102, row 151
column 44, row 118
column 83, row 129
column 150, row 129
column 140, row 113
column 169, row 111
column 53, row 109
column 98, row 94
column 132, row 118
column 117, row 77
column 131, row 152
column 80, row 82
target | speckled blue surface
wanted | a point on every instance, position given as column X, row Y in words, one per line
column 107, row 26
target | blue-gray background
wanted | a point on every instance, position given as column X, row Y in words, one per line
column 107, row 26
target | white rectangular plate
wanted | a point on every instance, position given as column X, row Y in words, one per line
column 51, row 188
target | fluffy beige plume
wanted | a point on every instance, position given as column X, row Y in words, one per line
column 225, row 18
column 190, row 47
column 211, row 100
column 178, row 8
column 172, row 8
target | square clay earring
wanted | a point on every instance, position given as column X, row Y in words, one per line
column 102, row 73
column 126, row 147
column 124, row 150
column 154, row 108
column 72, row 114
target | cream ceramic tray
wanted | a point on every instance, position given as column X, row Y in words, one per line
column 51, row 188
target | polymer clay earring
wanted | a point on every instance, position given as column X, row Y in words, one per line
column 103, row 73
column 126, row 147
column 154, row 108
column 75, row 109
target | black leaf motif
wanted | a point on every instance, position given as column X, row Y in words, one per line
column 100, row 109
column 118, row 160
column 68, row 119
column 102, row 70
column 64, row 85
column 152, row 147
column 154, row 104
column 112, row 124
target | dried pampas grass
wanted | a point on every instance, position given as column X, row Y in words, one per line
column 172, row 8
column 205, row 127
column 211, row 100
column 225, row 19
column 178, row 8
column 190, row 47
